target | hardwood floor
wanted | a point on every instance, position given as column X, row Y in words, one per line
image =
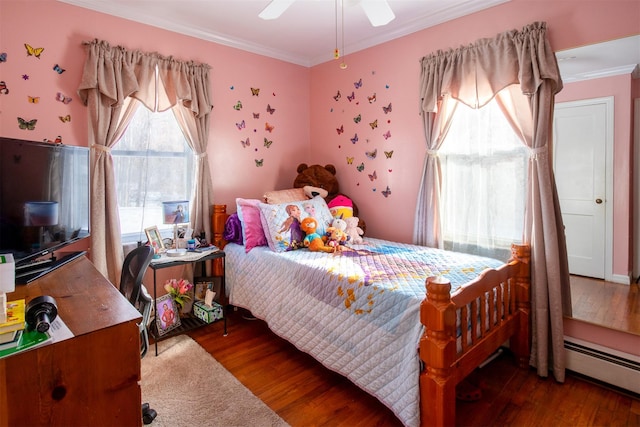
column 304, row 393
column 613, row 305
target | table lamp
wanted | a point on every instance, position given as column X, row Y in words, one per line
column 176, row 212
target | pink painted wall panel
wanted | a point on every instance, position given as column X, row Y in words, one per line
column 61, row 29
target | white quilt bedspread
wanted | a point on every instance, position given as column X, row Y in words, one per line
column 356, row 313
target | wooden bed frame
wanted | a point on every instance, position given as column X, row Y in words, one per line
column 496, row 307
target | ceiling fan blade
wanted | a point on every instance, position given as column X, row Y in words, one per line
column 274, row 9
column 378, row 11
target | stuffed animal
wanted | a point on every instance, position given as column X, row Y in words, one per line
column 335, row 238
column 353, row 231
column 313, row 241
column 322, row 180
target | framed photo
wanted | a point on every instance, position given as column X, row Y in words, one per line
column 202, row 284
column 154, row 237
column 176, row 212
column 167, row 315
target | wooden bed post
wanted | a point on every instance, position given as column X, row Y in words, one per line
column 437, row 350
column 521, row 342
column 218, row 220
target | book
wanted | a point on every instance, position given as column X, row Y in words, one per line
column 15, row 317
column 14, row 342
column 8, row 337
column 28, row 340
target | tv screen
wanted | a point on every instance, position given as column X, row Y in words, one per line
column 44, row 197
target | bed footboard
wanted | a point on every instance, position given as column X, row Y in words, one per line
column 464, row 328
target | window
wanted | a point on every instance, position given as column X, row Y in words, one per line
column 484, row 167
column 153, row 164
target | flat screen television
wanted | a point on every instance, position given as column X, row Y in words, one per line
column 44, row 198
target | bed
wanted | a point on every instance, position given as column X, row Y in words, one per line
column 389, row 316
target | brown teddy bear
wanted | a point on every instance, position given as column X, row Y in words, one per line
column 322, row 180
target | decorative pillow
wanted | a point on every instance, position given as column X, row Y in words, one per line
column 252, row 232
column 284, row 196
column 233, row 229
column 281, row 222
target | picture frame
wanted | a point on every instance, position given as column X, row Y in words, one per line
column 154, row 237
column 202, row 284
column 167, row 315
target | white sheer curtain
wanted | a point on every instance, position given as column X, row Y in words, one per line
column 484, row 166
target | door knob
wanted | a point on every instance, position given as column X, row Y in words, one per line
column 598, row 201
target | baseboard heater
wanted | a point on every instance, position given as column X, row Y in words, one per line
column 613, row 367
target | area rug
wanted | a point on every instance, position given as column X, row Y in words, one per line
column 188, row 387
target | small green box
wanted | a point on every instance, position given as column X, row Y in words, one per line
column 207, row 313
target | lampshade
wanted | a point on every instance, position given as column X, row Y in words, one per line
column 40, row 213
column 176, row 212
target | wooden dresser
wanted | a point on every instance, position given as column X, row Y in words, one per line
column 90, row 379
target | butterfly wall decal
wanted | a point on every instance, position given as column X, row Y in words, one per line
column 3, row 57
column 270, row 110
column 349, row 160
column 340, row 129
column 387, row 134
column 267, row 143
column 255, row 92
column 374, row 124
column 337, row 96
column 389, row 154
column 354, row 139
column 358, row 84
column 372, row 98
column 372, row 154
column 259, row 163
column 58, row 69
column 31, row 51
column 65, row 119
column 351, row 97
column 3, row 88
column 386, row 109
column 28, row 125
column 373, row 176
column 63, row 98
column 33, row 99
column 387, row 192
column 357, row 118
column 238, row 106
column 240, row 125
column 246, row 143
column 256, row 115
column 269, row 128
column 360, row 167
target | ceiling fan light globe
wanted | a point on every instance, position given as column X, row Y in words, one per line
column 378, row 11
column 274, row 9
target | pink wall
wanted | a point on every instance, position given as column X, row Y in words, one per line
column 396, row 64
column 61, row 29
column 620, row 88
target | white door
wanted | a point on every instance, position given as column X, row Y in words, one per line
column 583, row 138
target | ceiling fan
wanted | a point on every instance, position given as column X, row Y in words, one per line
column 378, row 11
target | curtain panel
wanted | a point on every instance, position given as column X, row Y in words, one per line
column 523, row 63
column 112, row 78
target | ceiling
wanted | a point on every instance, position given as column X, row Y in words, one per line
column 305, row 34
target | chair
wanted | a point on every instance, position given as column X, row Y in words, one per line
column 133, row 269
